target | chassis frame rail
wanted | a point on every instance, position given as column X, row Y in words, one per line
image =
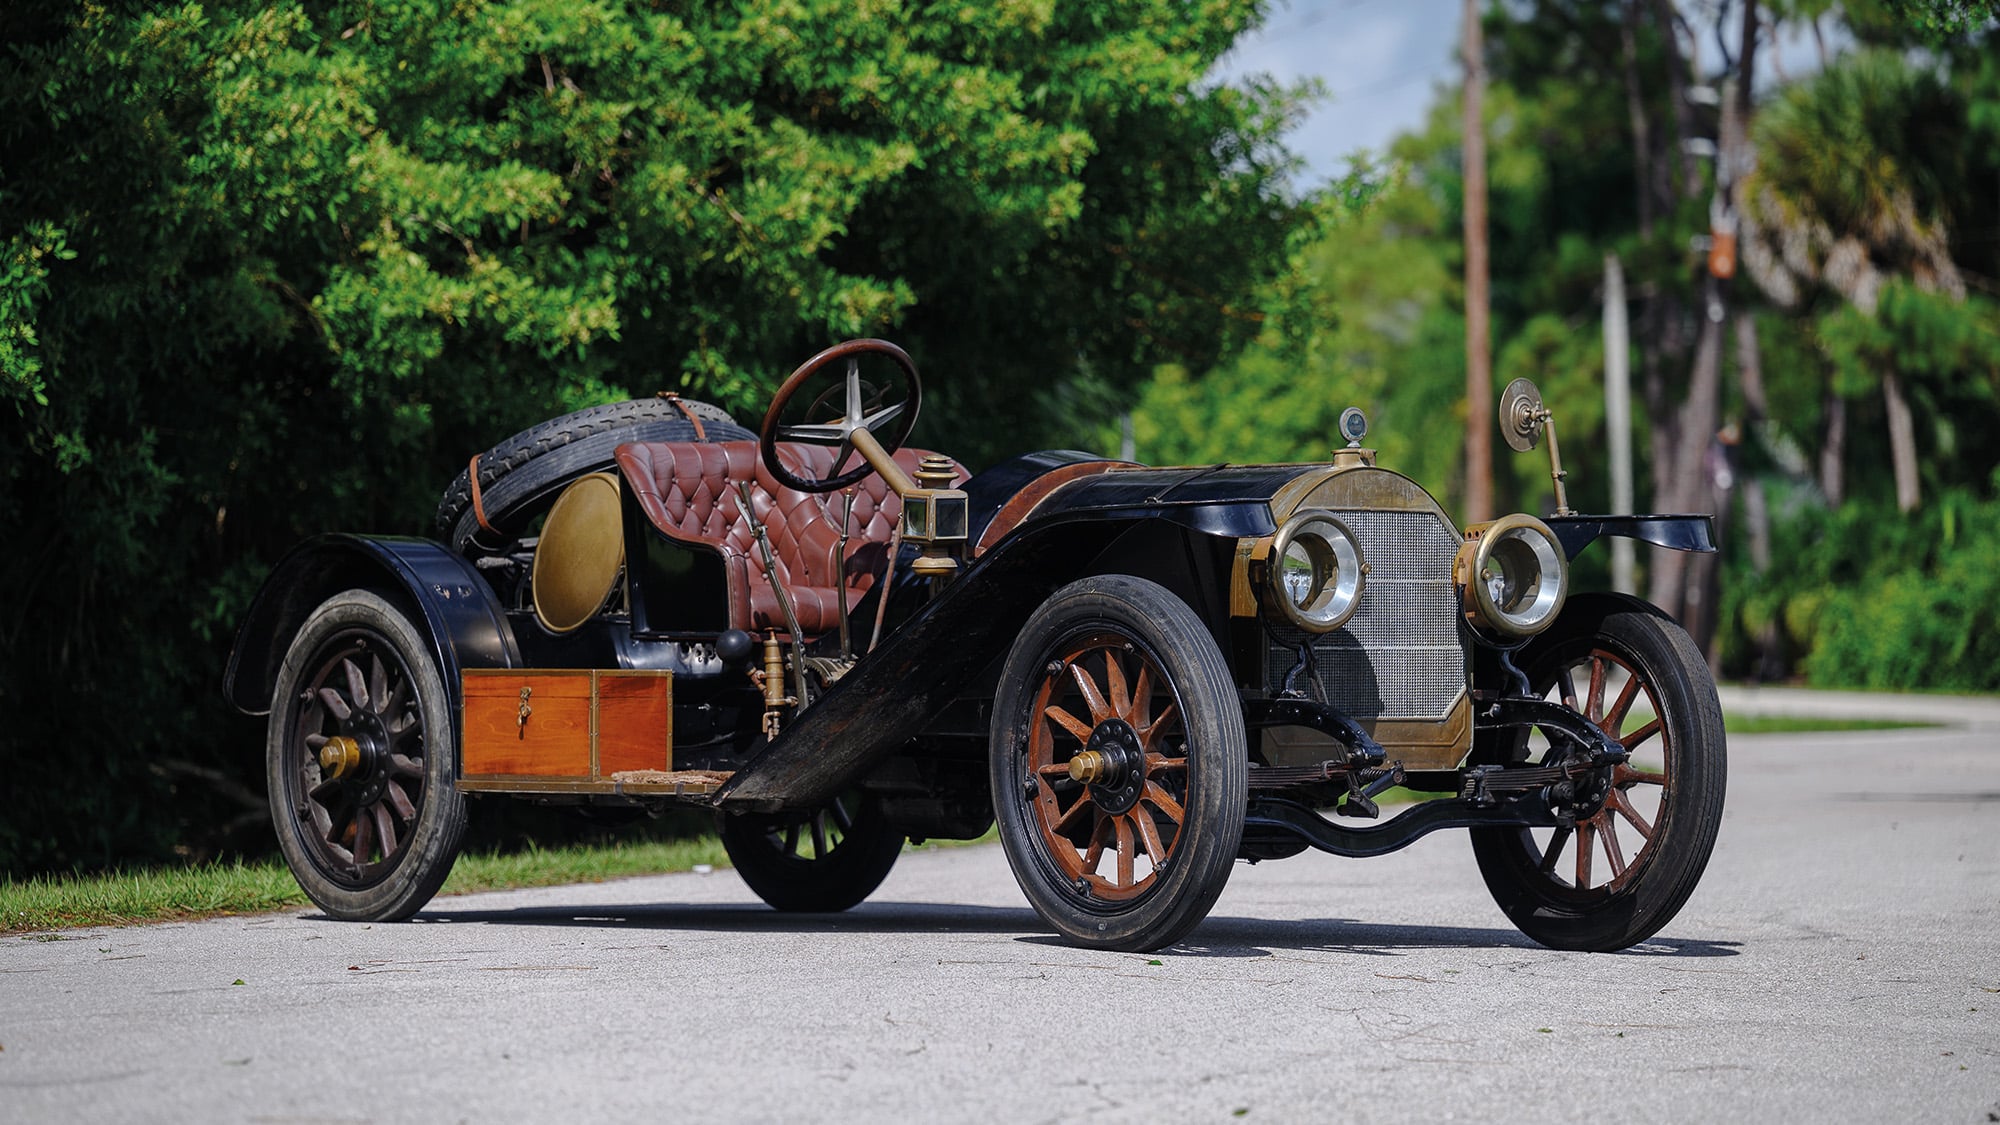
column 1541, row 796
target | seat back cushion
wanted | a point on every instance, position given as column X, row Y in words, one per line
column 688, row 491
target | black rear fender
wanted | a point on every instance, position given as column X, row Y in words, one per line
column 444, row 595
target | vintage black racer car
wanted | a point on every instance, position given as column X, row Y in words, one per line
column 838, row 644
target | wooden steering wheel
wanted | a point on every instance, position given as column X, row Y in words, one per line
column 833, row 418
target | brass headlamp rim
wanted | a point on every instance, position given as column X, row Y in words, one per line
column 1477, row 551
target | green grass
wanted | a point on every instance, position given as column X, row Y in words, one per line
column 1806, row 724
column 162, row 894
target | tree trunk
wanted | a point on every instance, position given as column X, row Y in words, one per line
column 1642, row 126
column 1686, row 171
column 1833, row 451
column 1618, row 416
column 1770, row 662
column 1750, row 372
column 1479, row 420
column 1702, row 615
column 1902, row 442
column 1689, row 489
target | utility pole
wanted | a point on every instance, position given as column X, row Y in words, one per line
column 1479, row 421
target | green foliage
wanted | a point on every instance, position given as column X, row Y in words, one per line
column 1361, row 321
column 1869, row 599
column 1870, row 147
column 1384, row 327
column 1947, row 351
column 23, row 282
column 1929, row 22
column 269, row 270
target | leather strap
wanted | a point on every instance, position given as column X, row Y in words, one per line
column 700, row 431
column 478, row 506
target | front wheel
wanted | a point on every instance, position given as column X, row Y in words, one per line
column 1119, row 764
column 359, row 757
column 1623, row 871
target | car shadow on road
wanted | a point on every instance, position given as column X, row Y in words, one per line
column 1261, row 937
column 870, row 917
column 1215, row 937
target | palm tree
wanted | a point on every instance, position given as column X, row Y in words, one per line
column 1846, row 194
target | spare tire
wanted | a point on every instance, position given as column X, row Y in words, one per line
column 520, row 476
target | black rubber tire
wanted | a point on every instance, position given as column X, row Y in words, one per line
column 361, row 622
column 1663, row 872
column 820, row 862
column 518, row 476
column 1203, row 769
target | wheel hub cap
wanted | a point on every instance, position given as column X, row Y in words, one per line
column 340, row 758
column 1112, row 763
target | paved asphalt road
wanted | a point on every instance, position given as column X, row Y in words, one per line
column 1841, row 962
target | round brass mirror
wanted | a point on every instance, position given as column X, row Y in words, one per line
column 1522, row 415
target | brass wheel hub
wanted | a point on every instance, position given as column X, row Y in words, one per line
column 1113, row 764
column 340, row 758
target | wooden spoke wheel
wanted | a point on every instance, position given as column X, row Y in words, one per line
column 1119, row 764
column 360, row 762
column 1634, row 856
column 822, row 861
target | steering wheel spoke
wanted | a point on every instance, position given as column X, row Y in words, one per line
column 819, row 433
column 882, row 417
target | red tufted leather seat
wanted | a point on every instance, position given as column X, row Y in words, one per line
column 688, row 491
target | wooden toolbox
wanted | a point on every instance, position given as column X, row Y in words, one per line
column 577, row 725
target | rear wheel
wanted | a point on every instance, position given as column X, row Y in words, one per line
column 359, row 757
column 1119, row 764
column 1623, row 871
column 818, row 862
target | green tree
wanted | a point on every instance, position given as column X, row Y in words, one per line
column 1854, row 168
column 271, row 270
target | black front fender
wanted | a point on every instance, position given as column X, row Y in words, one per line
column 445, row 596
column 894, row 691
column 1676, row 533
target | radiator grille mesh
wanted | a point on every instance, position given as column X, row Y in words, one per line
column 1399, row 657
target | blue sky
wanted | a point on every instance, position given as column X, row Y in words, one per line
column 1379, row 59
column 1382, row 61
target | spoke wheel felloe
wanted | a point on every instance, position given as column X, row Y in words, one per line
column 1119, row 764
column 359, row 758
column 1630, row 861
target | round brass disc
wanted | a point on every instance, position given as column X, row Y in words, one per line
column 580, row 552
column 1521, row 415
